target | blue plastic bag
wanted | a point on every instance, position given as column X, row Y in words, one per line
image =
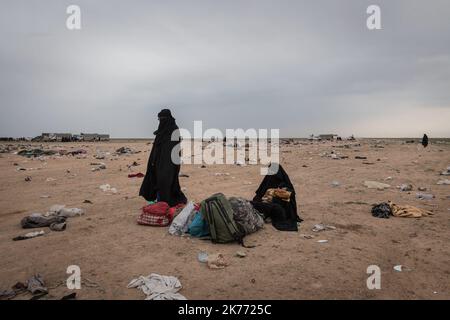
column 199, row 227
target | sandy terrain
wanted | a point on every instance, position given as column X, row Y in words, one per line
column 111, row 249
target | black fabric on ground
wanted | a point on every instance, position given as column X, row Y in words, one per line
column 162, row 174
column 382, row 210
column 425, row 141
column 283, row 214
column 39, row 221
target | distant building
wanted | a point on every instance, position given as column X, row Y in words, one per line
column 56, row 137
column 66, row 137
column 94, row 137
column 89, row 136
column 328, row 136
column 45, row 137
column 103, row 137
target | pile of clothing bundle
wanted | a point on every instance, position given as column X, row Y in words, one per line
column 223, row 219
column 386, row 209
column 35, row 285
column 55, row 219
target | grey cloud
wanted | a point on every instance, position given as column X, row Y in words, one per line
column 300, row 66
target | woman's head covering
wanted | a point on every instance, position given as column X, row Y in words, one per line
column 166, row 124
column 165, row 113
column 280, row 179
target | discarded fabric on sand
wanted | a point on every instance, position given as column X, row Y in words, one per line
column 157, row 287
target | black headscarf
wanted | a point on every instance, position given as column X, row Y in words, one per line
column 166, row 125
column 283, row 214
column 161, row 178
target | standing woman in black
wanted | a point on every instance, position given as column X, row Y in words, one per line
column 161, row 180
column 425, row 141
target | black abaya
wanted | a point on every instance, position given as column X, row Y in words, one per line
column 283, row 214
column 161, row 180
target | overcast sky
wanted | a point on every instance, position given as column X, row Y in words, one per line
column 301, row 66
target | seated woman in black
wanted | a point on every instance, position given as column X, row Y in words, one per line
column 282, row 212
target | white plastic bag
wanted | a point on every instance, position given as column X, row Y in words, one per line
column 179, row 222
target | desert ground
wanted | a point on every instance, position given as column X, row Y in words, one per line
column 112, row 249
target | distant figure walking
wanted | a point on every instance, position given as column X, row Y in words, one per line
column 425, row 141
column 161, row 180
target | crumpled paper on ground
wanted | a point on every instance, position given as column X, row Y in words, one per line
column 216, row 261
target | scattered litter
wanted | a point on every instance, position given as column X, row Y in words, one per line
column 107, row 188
column 424, row 196
column 55, row 209
column 322, row 241
column 100, row 155
column 388, row 179
column 181, row 222
column 241, row 254
column 36, row 153
column 70, row 212
column 29, row 235
column 70, row 296
column 98, row 166
column 36, row 285
column 28, row 178
column 446, row 172
column 216, row 261
column 157, row 287
column 422, row 189
column 401, row 268
column 50, row 179
column 322, row 227
column 45, row 196
column 335, row 184
column 356, row 202
column 382, row 210
column 88, row 201
column 406, row 187
column 444, row 182
column 218, row 174
column 136, row 175
column 77, row 152
column 125, row 150
column 398, row 268
column 202, row 257
column 361, row 158
column 7, row 294
column 306, row 236
column 58, row 226
column 385, row 210
column 37, row 220
column 376, row 185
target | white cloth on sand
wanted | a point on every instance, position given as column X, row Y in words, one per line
column 157, row 287
column 179, row 223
